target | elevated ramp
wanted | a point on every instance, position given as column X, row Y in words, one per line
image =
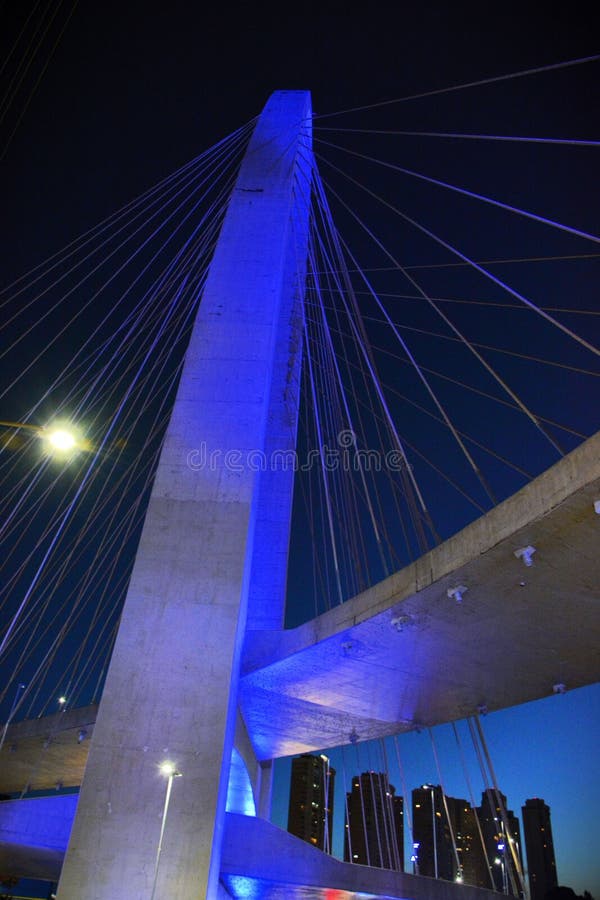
column 266, row 863
column 407, row 653
column 258, row 859
column 39, row 754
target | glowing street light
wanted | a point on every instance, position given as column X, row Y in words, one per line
column 59, row 439
column 63, row 440
column 169, row 771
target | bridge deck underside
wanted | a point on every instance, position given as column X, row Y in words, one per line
column 405, row 653
column 41, row 754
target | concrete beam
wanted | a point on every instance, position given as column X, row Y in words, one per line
column 407, row 653
column 39, row 754
column 262, row 861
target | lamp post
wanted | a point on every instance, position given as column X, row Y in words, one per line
column 60, row 439
column 170, row 772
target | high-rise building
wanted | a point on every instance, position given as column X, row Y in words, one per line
column 539, row 846
column 441, row 824
column 502, row 838
column 310, row 812
column 431, row 832
column 470, row 865
column 374, row 827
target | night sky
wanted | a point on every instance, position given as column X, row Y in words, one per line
column 129, row 95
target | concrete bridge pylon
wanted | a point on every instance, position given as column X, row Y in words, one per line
column 212, row 557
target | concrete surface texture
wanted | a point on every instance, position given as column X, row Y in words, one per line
column 171, row 689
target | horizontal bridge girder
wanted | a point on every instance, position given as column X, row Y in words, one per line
column 410, row 652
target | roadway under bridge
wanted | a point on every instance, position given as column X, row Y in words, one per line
column 469, row 625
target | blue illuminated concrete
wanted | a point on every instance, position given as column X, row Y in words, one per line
column 34, row 834
column 406, row 654
column 258, row 861
column 209, row 580
column 262, row 862
column 213, row 551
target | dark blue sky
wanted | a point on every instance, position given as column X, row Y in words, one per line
column 128, row 96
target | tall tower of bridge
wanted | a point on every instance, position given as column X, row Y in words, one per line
column 212, row 558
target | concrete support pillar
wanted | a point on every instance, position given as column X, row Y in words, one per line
column 171, row 690
column 265, row 794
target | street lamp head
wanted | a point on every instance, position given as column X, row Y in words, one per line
column 61, row 439
column 169, row 770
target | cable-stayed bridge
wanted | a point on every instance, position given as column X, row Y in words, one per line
column 206, row 597
column 379, row 648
